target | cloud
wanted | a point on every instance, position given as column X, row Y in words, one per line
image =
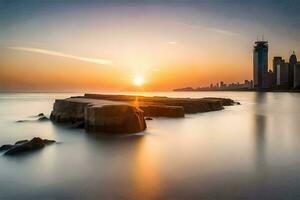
column 221, row 31
column 211, row 29
column 60, row 54
column 172, row 43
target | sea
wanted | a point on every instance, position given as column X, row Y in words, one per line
column 247, row 151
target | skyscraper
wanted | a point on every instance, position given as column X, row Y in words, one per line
column 260, row 64
column 292, row 65
column 276, row 65
column 297, row 76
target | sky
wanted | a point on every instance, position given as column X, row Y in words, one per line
column 76, row 45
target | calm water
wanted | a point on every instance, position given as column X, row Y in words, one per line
column 249, row 151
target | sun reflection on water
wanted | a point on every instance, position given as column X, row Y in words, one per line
column 146, row 178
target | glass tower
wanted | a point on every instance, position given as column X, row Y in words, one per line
column 260, row 64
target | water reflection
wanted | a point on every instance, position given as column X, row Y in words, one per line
column 260, row 142
column 260, row 134
column 243, row 152
column 145, row 171
column 136, row 153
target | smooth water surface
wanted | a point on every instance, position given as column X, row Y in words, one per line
column 248, row 151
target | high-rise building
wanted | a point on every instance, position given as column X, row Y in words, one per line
column 283, row 76
column 271, row 79
column 297, row 76
column 276, row 62
column 292, row 64
column 260, row 64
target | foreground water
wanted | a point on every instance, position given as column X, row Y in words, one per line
column 249, row 151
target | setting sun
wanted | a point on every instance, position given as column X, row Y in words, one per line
column 138, row 80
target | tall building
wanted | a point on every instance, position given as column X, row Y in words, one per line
column 292, row 64
column 283, row 72
column 260, row 64
column 276, row 62
column 297, row 76
column 271, row 79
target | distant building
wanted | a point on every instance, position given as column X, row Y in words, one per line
column 248, row 84
column 260, row 64
column 283, row 75
column 222, row 84
column 292, row 64
column 297, row 76
column 271, row 79
column 276, row 62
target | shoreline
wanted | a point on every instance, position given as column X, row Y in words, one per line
column 240, row 90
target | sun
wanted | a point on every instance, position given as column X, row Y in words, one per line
column 138, row 80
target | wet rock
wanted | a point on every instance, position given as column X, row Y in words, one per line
column 114, row 119
column 68, row 110
column 41, row 115
column 46, row 141
column 79, row 124
column 125, row 113
column 43, row 118
column 24, row 146
column 163, row 111
column 21, row 141
column 20, row 121
column 6, row 147
column 148, row 118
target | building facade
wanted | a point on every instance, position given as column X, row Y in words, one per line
column 292, row 64
column 260, row 64
column 284, row 75
column 276, row 62
column 297, row 76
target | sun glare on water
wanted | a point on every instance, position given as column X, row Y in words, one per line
column 138, row 81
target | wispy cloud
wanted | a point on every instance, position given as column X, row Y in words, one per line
column 60, row 54
column 221, row 31
column 211, row 29
column 172, row 43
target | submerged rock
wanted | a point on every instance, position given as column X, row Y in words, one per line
column 41, row 115
column 148, row 118
column 6, row 147
column 24, row 146
column 43, row 118
column 21, row 141
column 79, row 124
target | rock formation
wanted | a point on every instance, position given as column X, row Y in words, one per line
column 125, row 113
column 24, row 146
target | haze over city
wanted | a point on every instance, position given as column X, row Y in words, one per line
column 150, row 45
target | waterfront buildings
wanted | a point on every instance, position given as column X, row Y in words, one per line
column 292, row 64
column 283, row 75
column 297, row 76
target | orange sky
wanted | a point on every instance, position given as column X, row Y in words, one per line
column 102, row 48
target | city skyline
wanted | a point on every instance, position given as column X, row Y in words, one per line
column 54, row 46
column 281, row 76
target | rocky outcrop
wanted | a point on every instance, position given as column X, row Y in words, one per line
column 163, row 111
column 40, row 117
column 114, row 119
column 125, row 113
column 68, row 111
column 148, row 118
column 6, row 147
column 24, row 146
column 99, row 115
column 189, row 105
